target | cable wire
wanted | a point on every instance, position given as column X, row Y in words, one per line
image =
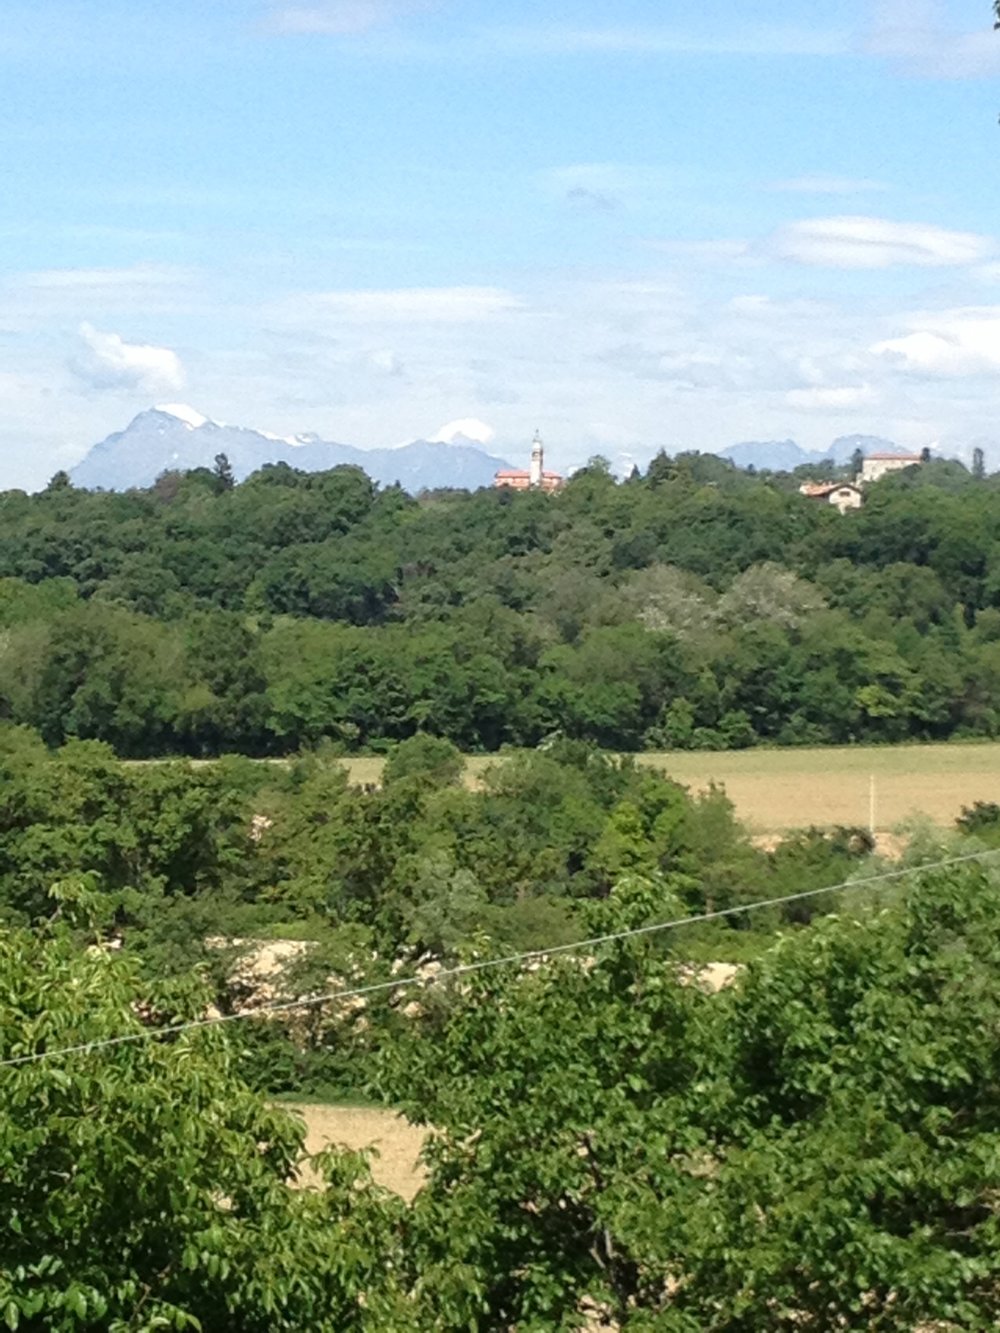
column 481, row 965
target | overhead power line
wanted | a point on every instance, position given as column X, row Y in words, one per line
column 481, row 965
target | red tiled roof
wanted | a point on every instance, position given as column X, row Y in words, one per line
column 818, row 489
column 523, row 472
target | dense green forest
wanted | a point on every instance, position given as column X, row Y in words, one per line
column 694, row 606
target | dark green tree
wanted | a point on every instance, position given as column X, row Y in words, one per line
column 223, row 472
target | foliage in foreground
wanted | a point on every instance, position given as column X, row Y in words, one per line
column 815, row 1148
column 144, row 1186
column 182, row 861
column 177, row 853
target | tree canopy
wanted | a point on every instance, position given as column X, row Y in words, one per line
column 697, row 606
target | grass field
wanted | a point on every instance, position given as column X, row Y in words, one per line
column 782, row 789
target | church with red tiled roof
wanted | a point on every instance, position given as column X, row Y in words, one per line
column 534, row 478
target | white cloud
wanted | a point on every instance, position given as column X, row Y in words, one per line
column 340, row 18
column 916, row 35
column 106, row 361
column 35, row 300
column 821, row 184
column 874, row 243
column 952, row 345
column 720, row 251
column 653, row 40
column 834, row 399
column 87, row 280
column 407, row 305
column 385, row 360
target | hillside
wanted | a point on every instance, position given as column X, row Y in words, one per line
column 696, row 607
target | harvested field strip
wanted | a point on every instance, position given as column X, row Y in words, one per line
column 782, row 789
column 397, row 1142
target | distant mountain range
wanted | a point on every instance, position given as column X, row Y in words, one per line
column 786, row 455
column 176, row 437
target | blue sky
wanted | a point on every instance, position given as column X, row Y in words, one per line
column 631, row 224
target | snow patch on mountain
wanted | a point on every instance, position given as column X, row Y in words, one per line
column 192, row 418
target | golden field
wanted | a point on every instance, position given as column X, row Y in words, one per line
column 783, row 789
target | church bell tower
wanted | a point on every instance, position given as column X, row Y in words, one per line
column 537, row 462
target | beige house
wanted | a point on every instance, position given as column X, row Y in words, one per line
column 843, row 495
column 876, row 466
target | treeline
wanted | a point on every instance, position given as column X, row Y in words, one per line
column 187, row 868
column 695, row 606
column 167, row 854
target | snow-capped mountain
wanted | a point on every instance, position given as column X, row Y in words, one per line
column 175, row 436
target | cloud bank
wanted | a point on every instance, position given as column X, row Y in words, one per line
column 916, row 35
column 823, row 184
column 407, row 305
column 951, row 345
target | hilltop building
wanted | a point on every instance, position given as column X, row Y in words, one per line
column 843, row 495
column 534, row 478
column 876, row 466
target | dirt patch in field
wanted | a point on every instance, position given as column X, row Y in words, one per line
column 891, row 846
column 396, row 1141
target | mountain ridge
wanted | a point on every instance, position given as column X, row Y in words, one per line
column 786, row 455
column 178, row 437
